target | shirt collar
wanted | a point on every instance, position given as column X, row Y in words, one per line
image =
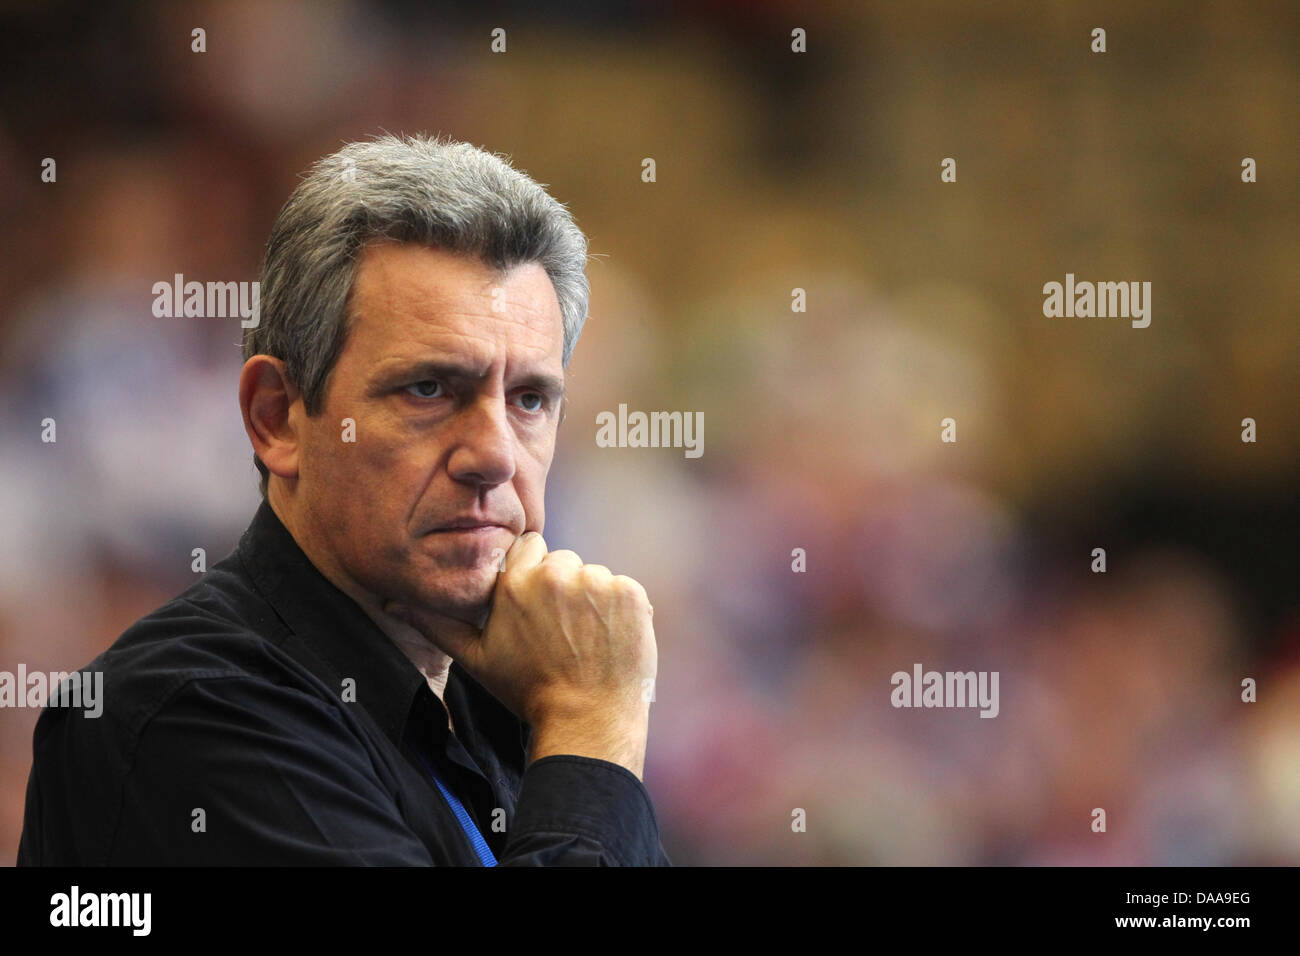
column 337, row 632
column 331, row 624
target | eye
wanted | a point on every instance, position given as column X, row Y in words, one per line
column 425, row 389
column 541, row 401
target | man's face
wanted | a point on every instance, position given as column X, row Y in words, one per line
column 453, row 374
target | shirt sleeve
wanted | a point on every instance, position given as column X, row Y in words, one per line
column 581, row 811
column 236, row 771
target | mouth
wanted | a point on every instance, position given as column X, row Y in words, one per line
column 469, row 526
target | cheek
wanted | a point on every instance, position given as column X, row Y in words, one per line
column 344, row 441
column 318, row 450
column 334, row 458
column 356, row 469
column 535, row 517
column 530, row 486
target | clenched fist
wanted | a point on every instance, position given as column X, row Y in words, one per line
column 568, row 647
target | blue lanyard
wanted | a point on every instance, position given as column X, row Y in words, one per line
column 462, row 815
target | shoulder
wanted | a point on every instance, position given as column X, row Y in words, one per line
column 219, row 632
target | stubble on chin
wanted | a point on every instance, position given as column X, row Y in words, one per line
column 468, row 600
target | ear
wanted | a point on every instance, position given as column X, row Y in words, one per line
column 267, row 398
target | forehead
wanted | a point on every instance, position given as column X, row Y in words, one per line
column 408, row 300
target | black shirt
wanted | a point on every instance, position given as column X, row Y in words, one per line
column 262, row 718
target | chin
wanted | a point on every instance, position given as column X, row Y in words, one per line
column 465, row 595
column 467, row 553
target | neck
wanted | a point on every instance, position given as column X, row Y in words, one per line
column 428, row 659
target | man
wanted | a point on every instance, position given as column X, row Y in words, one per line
column 391, row 668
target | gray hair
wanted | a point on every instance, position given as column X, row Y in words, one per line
column 427, row 190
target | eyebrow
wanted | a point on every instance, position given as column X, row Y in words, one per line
column 456, row 374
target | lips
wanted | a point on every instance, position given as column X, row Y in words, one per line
column 470, row 524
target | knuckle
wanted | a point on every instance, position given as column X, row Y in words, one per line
column 552, row 573
column 630, row 590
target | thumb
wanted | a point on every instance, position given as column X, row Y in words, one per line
column 455, row 638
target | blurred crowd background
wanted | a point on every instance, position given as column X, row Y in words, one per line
column 775, row 170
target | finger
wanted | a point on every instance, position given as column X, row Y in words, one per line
column 564, row 558
column 633, row 585
column 528, row 550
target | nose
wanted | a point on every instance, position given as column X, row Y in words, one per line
column 483, row 452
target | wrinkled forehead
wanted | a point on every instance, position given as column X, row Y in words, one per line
column 413, row 298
